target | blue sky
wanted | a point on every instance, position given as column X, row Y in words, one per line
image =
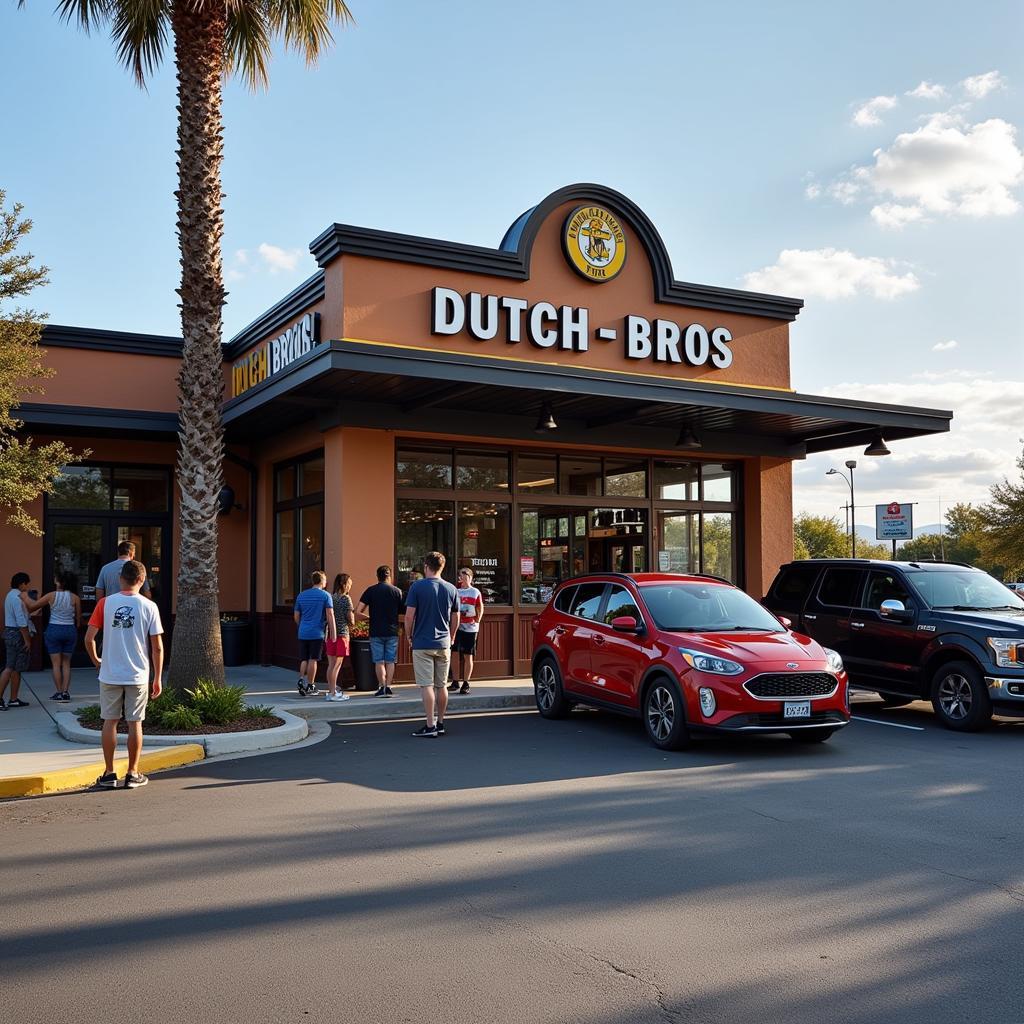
column 867, row 159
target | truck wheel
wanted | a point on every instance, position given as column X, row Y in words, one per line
column 960, row 697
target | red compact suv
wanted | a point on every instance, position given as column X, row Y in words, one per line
column 685, row 654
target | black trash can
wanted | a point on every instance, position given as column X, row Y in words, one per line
column 234, row 639
column 362, row 664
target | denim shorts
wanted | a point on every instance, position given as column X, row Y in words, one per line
column 60, row 639
column 384, row 649
column 16, row 651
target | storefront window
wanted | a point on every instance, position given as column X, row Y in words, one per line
column 676, row 481
column 484, row 544
column 717, row 545
column 578, row 475
column 717, row 482
column 424, row 467
column 140, row 490
column 678, row 547
column 81, row 487
column 481, row 471
column 298, row 526
column 422, row 526
column 625, row 479
column 537, row 474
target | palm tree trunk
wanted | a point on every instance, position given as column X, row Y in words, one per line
column 199, row 54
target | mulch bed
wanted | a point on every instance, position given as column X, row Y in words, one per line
column 244, row 724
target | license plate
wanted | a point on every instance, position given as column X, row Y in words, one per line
column 797, row 709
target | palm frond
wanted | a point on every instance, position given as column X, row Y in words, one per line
column 86, row 12
column 247, row 43
column 139, row 29
column 305, row 25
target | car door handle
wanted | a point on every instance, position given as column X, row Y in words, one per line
column 857, row 625
column 810, row 618
column 559, row 630
column 598, row 639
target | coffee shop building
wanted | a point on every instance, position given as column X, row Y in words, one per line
column 556, row 405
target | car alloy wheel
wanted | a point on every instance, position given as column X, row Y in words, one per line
column 955, row 697
column 661, row 712
column 547, row 687
column 960, row 697
column 664, row 715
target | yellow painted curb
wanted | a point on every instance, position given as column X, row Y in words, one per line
column 86, row 774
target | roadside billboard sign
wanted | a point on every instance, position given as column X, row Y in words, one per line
column 894, row 521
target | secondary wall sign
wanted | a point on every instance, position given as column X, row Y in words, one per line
column 273, row 356
column 894, row 521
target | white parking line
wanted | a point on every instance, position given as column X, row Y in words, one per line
column 895, row 725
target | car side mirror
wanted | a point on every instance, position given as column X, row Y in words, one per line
column 626, row 624
column 893, row 609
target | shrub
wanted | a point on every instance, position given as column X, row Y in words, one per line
column 259, row 711
column 159, row 706
column 215, row 704
column 90, row 715
column 180, row 717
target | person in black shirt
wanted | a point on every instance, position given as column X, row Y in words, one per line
column 383, row 604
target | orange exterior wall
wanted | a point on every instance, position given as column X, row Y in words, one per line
column 110, row 380
column 768, row 521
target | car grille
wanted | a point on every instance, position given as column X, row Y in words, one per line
column 791, row 684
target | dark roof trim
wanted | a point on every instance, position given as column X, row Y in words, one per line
column 80, row 419
column 281, row 314
column 57, row 336
column 520, row 374
column 512, row 259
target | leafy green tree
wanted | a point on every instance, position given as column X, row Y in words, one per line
column 1002, row 540
column 26, row 469
column 820, row 536
column 960, row 541
column 211, row 41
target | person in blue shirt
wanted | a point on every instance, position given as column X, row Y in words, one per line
column 431, row 620
column 314, row 611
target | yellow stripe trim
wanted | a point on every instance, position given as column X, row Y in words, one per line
column 571, row 366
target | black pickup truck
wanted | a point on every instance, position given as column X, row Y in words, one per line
column 937, row 631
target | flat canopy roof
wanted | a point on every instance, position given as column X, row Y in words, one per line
column 356, row 383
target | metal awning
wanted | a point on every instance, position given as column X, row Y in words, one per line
column 356, row 383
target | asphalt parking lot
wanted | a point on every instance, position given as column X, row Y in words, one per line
column 525, row 870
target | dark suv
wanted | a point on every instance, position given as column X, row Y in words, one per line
column 937, row 631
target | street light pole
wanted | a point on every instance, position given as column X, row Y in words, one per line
column 851, row 465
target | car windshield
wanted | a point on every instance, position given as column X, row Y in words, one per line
column 706, row 608
column 964, row 589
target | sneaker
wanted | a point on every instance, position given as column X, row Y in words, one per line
column 427, row 731
column 339, row 696
column 135, row 779
column 57, row 696
column 382, row 692
column 17, row 704
column 301, row 684
column 453, row 687
column 107, row 781
column 66, row 696
column 311, row 690
column 440, row 728
column 387, row 692
column 465, row 688
column 3, row 706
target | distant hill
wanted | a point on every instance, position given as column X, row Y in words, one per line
column 867, row 533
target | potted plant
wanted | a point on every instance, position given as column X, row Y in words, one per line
column 359, row 655
column 234, row 638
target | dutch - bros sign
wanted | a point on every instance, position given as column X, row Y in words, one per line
column 272, row 356
column 544, row 325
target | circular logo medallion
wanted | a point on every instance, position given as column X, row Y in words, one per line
column 594, row 243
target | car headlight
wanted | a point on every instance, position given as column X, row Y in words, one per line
column 707, row 701
column 709, row 663
column 1008, row 653
column 835, row 662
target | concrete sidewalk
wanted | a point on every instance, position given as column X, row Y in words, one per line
column 30, row 745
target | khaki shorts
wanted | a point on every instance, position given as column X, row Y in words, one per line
column 431, row 667
column 128, row 702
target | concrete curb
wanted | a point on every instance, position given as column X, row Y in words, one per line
column 362, row 708
column 294, row 729
column 86, row 774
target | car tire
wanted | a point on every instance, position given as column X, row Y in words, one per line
column 811, row 735
column 665, row 715
column 960, row 697
column 547, row 689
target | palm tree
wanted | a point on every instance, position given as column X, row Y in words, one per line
column 212, row 39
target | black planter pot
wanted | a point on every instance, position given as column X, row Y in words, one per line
column 362, row 664
column 234, row 638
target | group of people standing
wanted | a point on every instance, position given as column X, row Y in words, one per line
column 439, row 619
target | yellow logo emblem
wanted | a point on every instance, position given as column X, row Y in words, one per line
column 594, row 243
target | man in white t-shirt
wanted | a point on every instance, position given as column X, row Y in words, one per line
column 132, row 645
column 471, row 611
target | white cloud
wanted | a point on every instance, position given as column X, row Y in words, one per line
column 927, row 91
column 844, row 191
column 869, row 113
column 278, row 259
column 945, row 167
column 831, row 274
column 944, row 346
column 979, row 86
column 812, row 191
column 980, row 449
